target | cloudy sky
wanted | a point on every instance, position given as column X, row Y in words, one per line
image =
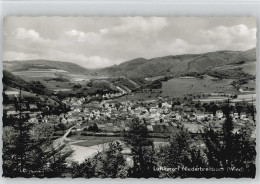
column 105, row 41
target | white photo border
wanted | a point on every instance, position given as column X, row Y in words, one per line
column 132, row 8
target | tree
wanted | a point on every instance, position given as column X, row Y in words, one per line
column 220, row 152
column 252, row 111
column 77, row 86
column 34, row 156
column 227, row 135
column 228, row 149
column 213, row 108
column 142, row 150
column 240, row 107
column 93, row 128
column 176, row 154
column 82, row 170
column 197, row 105
column 109, row 163
column 6, row 99
column 10, row 155
column 29, row 152
column 245, row 152
column 42, row 131
column 160, row 105
column 54, row 161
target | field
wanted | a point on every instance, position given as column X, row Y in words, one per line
column 87, row 141
column 58, row 86
column 39, row 74
column 44, row 74
column 13, row 92
column 91, row 140
column 57, row 80
column 246, row 97
column 249, row 67
column 180, row 86
column 250, row 84
column 241, row 97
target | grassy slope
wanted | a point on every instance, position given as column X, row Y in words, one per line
column 43, row 64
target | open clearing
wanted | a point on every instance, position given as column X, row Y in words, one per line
column 91, row 141
column 180, row 86
column 249, row 67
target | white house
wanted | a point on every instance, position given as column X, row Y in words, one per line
column 200, row 117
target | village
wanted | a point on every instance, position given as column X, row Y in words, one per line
column 112, row 117
column 109, row 117
column 159, row 116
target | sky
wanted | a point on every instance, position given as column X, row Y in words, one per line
column 96, row 42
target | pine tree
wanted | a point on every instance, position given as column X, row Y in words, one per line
column 142, row 150
column 178, row 154
column 110, row 163
column 228, row 149
column 26, row 156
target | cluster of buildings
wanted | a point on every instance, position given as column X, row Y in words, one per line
column 158, row 115
column 111, row 116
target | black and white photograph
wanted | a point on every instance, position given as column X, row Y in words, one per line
column 129, row 97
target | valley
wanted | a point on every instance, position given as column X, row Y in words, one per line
column 98, row 106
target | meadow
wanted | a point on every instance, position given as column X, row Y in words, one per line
column 91, row 140
column 249, row 68
column 53, row 79
column 180, row 86
column 38, row 74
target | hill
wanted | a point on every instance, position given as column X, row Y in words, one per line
column 10, row 80
column 32, row 92
column 179, row 64
column 16, row 66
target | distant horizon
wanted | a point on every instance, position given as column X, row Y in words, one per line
column 127, row 60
